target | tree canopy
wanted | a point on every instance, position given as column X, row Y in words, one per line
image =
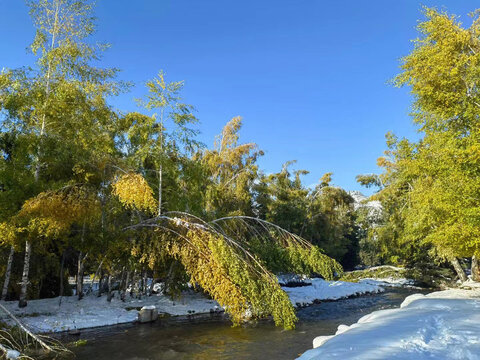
column 429, row 189
column 86, row 189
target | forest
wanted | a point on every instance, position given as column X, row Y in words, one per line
column 89, row 191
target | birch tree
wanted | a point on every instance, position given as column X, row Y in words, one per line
column 168, row 127
column 59, row 105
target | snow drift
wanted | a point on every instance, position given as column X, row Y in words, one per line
column 441, row 325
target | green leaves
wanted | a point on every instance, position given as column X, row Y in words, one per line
column 430, row 189
column 233, row 259
column 165, row 97
column 246, row 290
column 443, row 72
column 62, row 145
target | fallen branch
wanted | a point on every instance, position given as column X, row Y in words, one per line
column 21, row 326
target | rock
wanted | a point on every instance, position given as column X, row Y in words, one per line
column 319, row 340
column 147, row 314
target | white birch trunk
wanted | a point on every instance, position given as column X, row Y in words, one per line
column 8, row 272
column 475, row 269
column 458, row 268
column 26, row 267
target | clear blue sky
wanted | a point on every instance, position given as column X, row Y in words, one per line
column 308, row 77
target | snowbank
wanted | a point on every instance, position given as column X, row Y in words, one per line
column 46, row 315
column 390, row 282
column 293, row 279
column 330, row 290
column 440, row 325
column 470, row 284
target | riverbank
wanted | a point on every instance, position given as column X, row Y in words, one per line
column 441, row 325
column 213, row 337
column 46, row 316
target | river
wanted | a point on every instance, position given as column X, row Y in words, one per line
column 212, row 337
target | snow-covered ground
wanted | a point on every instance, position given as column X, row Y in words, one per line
column 330, row 290
column 46, row 315
column 440, row 325
column 390, row 282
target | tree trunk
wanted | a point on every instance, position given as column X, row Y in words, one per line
column 160, row 167
column 124, row 291
column 109, row 284
column 26, row 266
column 8, row 271
column 80, row 276
column 47, row 92
column 95, row 276
column 122, row 279
column 475, row 269
column 136, row 285
column 81, row 261
column 169, row 277
column 160, row 174
column 100, row 282
column 458, row 268
column 60, row 292
column 152, row 285
column 145, row 284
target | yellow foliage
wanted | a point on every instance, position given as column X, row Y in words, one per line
column 232, row 169
column 208, row 272
column 52, row 213
column 245, row 289
column 228, row 153
column 8, row 233
column 134, row 192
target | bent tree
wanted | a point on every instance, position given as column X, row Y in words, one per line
column 233, row 259
column 79, row 173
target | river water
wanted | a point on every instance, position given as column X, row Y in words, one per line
column 212, row 337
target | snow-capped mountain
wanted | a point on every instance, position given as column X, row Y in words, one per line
column 361, row 201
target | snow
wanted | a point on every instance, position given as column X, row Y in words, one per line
column 384, row 267
column 320, row 340
column 46, row 315
column 12, row 354
column 440, row 325
column 390, row 282
column 329, row 290
column 286, row 279
column 374, row 207
column 361, row 200
column 470, row 284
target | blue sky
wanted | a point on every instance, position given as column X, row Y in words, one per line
column 308, row 77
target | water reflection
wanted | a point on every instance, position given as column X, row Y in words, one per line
column 212, row 337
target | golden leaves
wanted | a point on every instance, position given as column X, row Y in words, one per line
column 8, row 233
column 206, row 268
column 134, row 192
column 245, row 290
column 52, row 213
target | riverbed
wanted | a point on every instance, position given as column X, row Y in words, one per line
column 213, row 337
